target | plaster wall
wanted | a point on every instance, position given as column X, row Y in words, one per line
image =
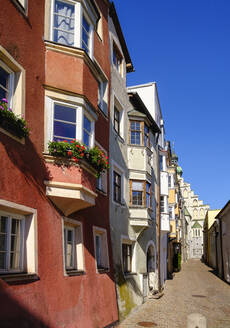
column 226, row 244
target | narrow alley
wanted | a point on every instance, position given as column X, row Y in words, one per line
column 193, row 290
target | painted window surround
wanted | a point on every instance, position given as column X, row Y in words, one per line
column 103, row 252
column 82, row 8
column 115, row 167
column 127, row 240
column 29, row 265
column 82, row 108
column 78, row 251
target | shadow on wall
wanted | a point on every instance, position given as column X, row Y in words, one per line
column 13, row 314
column 27, row 159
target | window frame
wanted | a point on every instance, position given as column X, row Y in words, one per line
column 78, row 247
column 8, row 251
column 119, row 186
column 28, row 271
column 144, row 193
column 80, row 11
column 104, row 252
column 117, row 59
column 116, row 120
column 80, row 112
column 127, row 267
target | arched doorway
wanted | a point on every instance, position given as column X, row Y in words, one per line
column 151, row 267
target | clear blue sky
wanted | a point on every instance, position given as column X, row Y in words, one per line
column 184, row 45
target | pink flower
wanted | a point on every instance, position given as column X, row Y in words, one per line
column 4, row 100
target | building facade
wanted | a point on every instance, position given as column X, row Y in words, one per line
column 56, row 256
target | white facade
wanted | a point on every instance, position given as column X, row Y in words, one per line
column 197, row 211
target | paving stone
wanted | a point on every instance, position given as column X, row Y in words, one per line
column 193, row 290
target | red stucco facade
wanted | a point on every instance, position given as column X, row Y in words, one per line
column 53, row 299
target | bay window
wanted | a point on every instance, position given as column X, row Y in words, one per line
column 66, row 121
column 72, row 24
column 139, row 133
column 140, row 192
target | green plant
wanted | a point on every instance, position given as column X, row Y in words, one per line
column 10, row 122
column 76, row 151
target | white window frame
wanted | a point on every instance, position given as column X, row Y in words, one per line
column 78, row 248
column 103, row 95
column 16, row 98
column 79, row 11
column 171, row 181
column 28, row 251
column 21, row 219
column 80, row 112
column 102, row 233
column 102, row 180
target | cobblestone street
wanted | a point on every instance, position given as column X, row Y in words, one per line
column 193, row 290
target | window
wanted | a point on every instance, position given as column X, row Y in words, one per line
column 23, row 3
column 68, row 122
column 127, row 257
column 103, row 96
column 163, row 204
column 135, row 132
column 139, row 133
column 73, row 246
column 101, row 249
column 73, row 26
column 116, row 122
column 140, row 193
column 137, row 193
column 148, row 195
column 11, row 240
column 161, row 163
column 116, row 187
column 170, row 213
column 87, row 134
column 6, row 82
column 146, row 135
column 17, row 239
column 12, row 82
column 117, row 59
column 171, row 181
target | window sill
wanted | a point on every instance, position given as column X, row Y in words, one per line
column 72, row 273
column 22, row 140
column 19, row 278
column 102, row 112
column 117, row 135
column 104, row 193
column 129, row 274
column 103, row 270
column 22, row 10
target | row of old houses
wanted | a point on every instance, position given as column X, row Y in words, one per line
column 93, row 212
column 216, row 234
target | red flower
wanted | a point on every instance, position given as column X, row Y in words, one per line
column 107, row 157
column 75, row 159
column 69, row 153
column 65, row 141
column 82, row 147
column 72, row 141
column 106, row 163
column 82, row 154
column 77, row 146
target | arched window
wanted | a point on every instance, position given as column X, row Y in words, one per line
column 185, row 193
column 195, row 202
column 195, row 213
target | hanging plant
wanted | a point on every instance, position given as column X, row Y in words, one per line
column 10, row 122
column 76, row 151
